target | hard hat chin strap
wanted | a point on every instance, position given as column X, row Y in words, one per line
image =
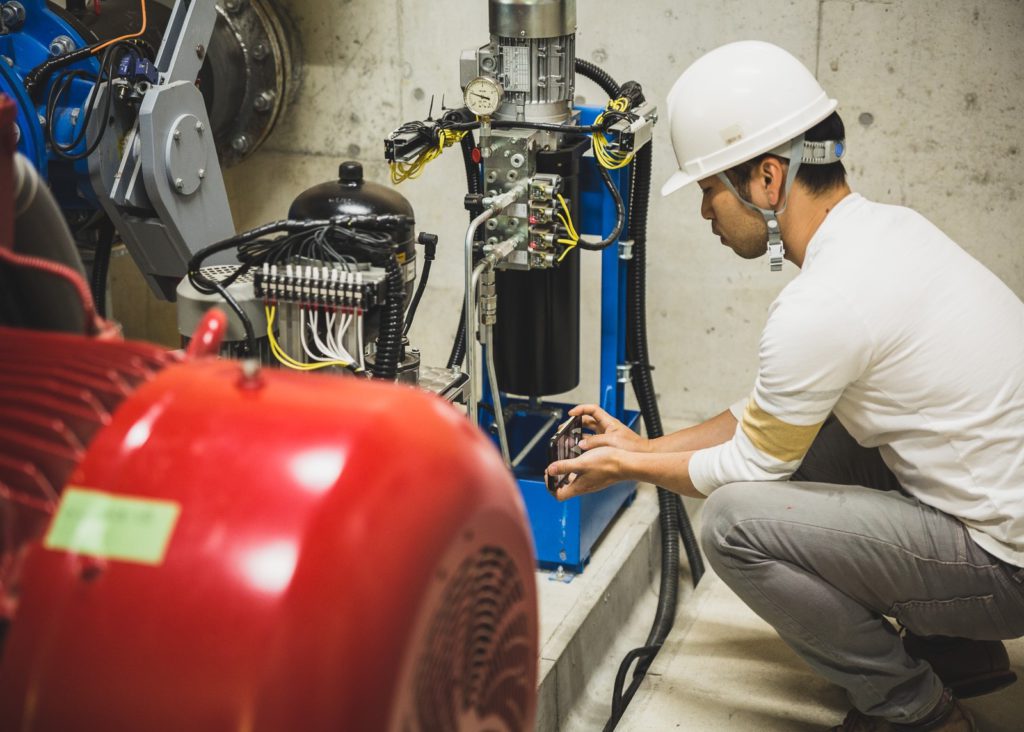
column 776, row 251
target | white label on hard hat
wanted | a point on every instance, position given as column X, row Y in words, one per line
column 733, row 134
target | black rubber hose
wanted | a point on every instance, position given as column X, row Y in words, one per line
column 389, row 342
column 609, row 86
column 474, row 186
column 668, row 508
column 101, row 265
column 416, row 297
column 671, row 515
column 35, row 80
column 599, row 76
column 643, row 382
column 620, row 215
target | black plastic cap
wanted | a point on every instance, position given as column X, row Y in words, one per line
column 350, row 172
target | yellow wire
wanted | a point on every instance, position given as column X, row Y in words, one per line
column 404, row 171
column 606, row 159
column 567, row 220
column 567, row 223
column 284, row 358
column 568, row 249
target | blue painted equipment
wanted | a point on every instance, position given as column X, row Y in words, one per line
column 564, row 533
column 41, row 35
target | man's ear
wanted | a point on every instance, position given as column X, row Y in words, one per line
column 771, row 174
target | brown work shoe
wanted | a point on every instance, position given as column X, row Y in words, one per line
column 968, row 667
column 947, row 716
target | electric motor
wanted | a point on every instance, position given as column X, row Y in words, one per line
column 532, row 53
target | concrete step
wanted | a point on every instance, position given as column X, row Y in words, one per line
column 590, row 621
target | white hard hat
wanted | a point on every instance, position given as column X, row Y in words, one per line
column 737, row 102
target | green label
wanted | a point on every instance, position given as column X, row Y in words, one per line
column 113, row 527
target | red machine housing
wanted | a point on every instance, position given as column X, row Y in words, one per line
column 348, row 555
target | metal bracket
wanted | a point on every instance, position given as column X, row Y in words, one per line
column 625, row 249
column 164, row 191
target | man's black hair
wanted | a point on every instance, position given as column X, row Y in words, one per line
column 817, row 179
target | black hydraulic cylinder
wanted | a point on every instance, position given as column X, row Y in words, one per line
column 537, row 335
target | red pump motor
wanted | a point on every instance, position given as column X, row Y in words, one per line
column 257, row 550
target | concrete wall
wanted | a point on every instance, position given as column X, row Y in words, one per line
column 932, row 94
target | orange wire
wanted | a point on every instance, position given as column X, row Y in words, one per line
column 127, row 37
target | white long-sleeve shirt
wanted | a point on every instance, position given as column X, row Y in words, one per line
column 919, row 351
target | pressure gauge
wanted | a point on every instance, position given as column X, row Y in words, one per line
column 483, row 95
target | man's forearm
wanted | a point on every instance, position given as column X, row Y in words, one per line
column 669, row 470
column 712, row 432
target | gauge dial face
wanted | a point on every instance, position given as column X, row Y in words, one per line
column 483, row 95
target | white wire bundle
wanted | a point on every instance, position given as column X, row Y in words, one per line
column 337, row 325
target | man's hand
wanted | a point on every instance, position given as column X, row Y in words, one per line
column 610, row 432
column 595, row 469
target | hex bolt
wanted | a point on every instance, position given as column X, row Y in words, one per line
column 12, row 15
column 61, row 45
column 201, row 173
column 179, row 184
column 264, row 102
column 240, row 143
column 177, row 135
column 200, row 50
column 260, row 51
column 233, row 6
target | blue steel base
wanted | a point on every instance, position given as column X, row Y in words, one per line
column 564, row 534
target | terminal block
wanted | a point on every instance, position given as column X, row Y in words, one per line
column 330, row 286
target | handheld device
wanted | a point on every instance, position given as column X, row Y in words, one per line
column 564, row 444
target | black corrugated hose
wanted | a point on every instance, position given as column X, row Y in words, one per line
column 101, row 265
column 671, row 515
column 474, row 186
column 389, row 342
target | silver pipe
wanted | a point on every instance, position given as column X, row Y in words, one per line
column 499, row 413
column 499, row 252
column 470, row 316
column 535, row 439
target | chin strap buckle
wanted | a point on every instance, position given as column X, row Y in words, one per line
column 776, row 251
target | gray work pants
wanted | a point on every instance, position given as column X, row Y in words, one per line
column 824, row 557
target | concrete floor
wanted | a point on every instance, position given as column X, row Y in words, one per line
column 722, row 668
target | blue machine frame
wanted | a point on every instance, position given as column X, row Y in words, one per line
column 564, row 534
column 21, row 51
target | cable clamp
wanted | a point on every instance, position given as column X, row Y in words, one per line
column 624, row 372
column 625, row 249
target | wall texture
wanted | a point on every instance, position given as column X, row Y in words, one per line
column 932, row 94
